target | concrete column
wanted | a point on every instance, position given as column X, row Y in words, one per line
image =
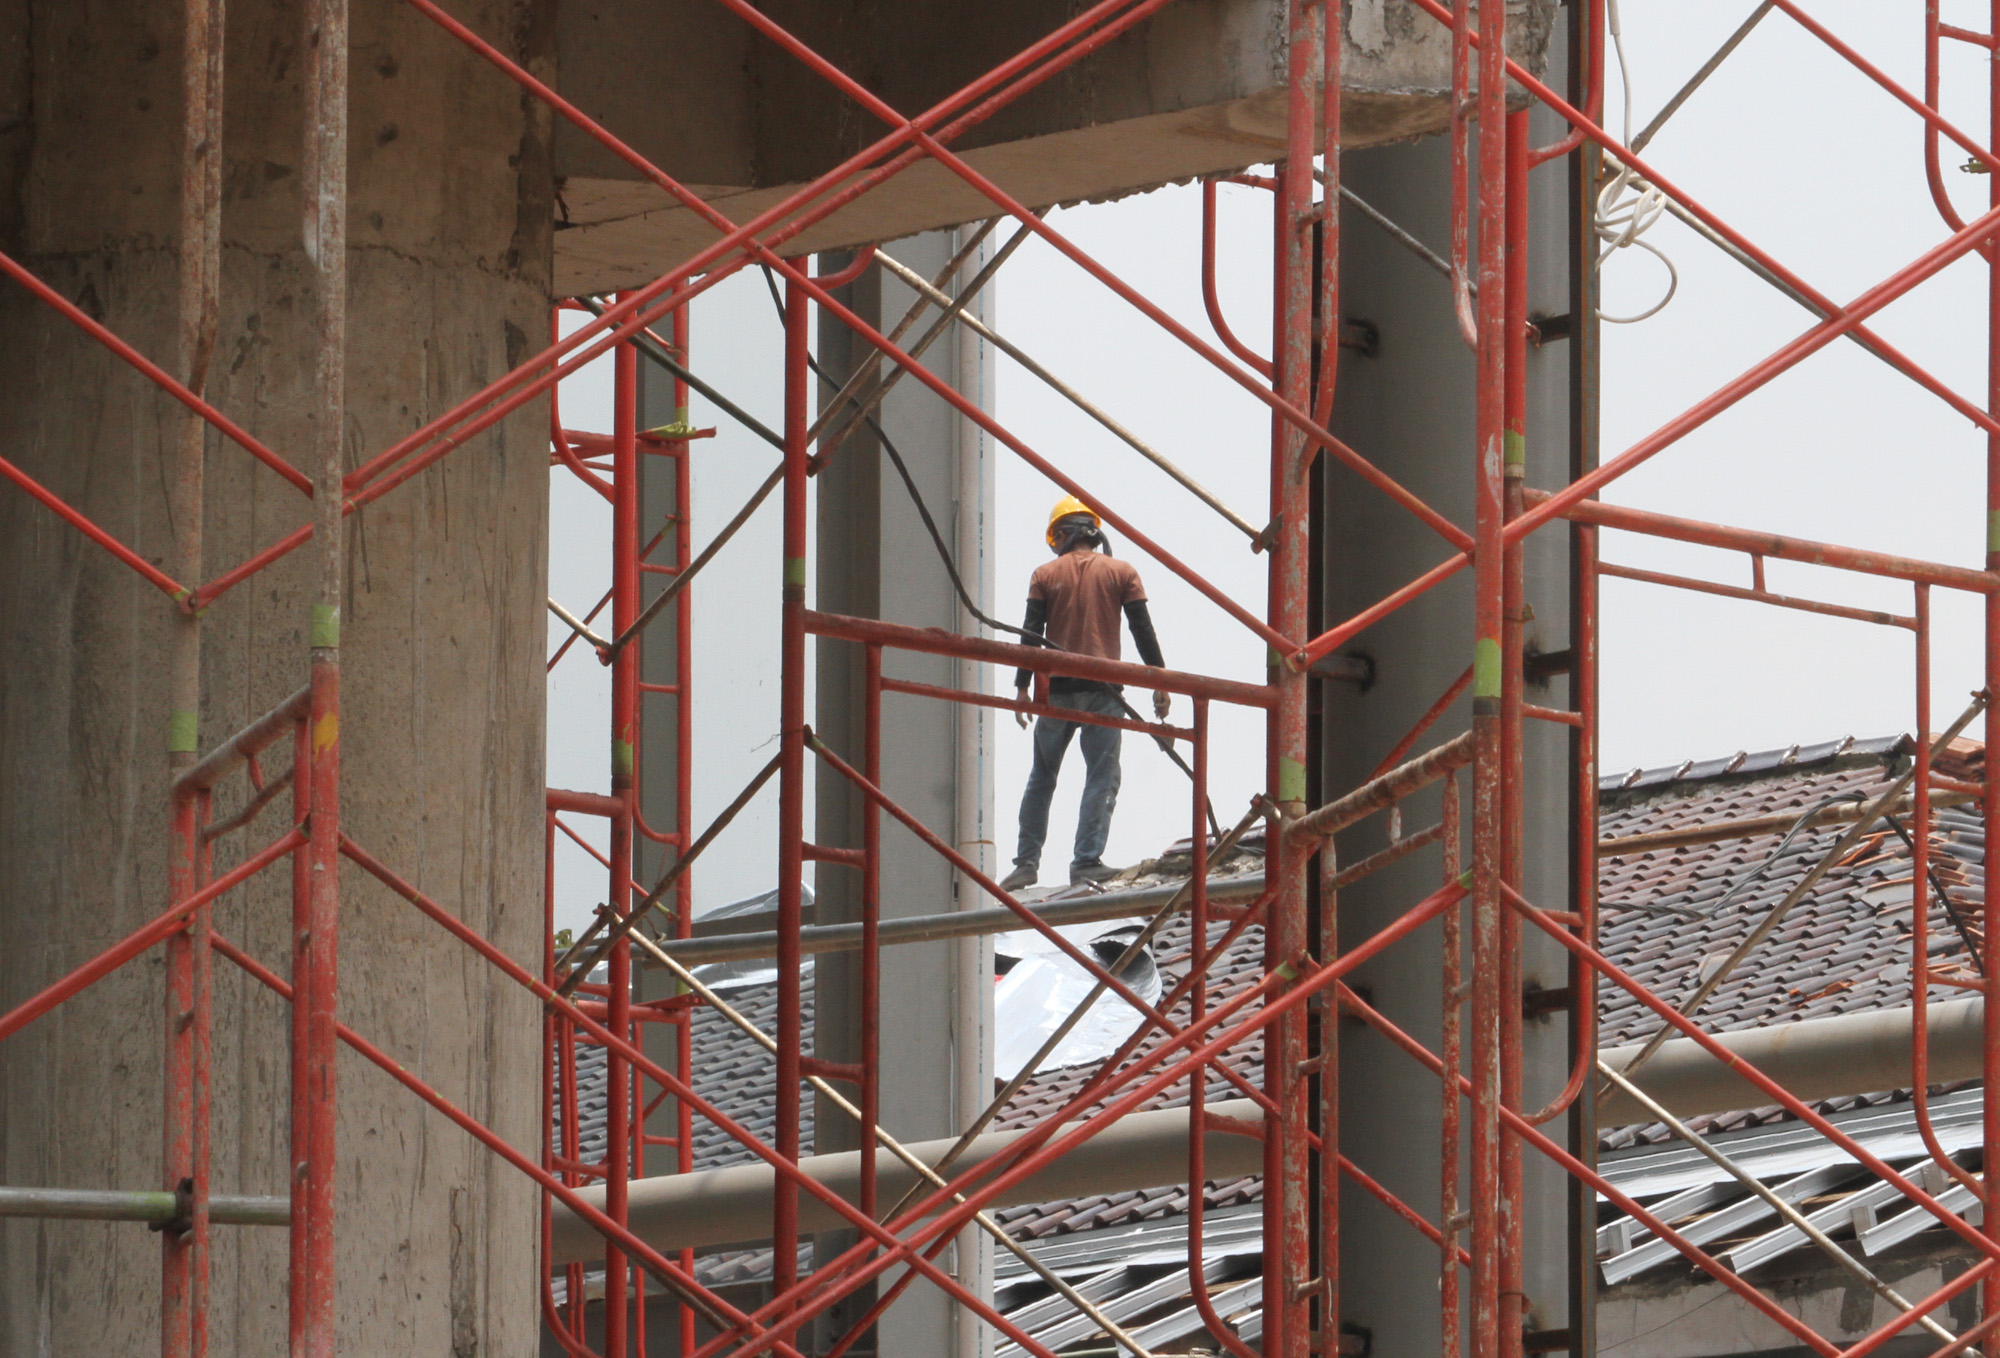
column 1409, row 408
column 876, row 560
column 442, row 738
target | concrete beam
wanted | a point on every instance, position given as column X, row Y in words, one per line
column 733, row 1205
column 1197, row 89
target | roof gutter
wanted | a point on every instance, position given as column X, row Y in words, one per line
column 733, row 1205
column 1813, row 1059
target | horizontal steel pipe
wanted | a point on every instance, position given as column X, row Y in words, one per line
column 1109, row 905
column 155, row 1207
column 1749, row 827
column 1379, row 792
column 1756, row 596
column 733, row 1205
column 1773, row 545
column 1814, row 1059
column 583, row 803
column 937, row 641
column 239, row 748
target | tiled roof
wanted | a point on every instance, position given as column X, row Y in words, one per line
column 1843, row 948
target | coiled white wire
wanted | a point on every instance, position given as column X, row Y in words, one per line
column 1628, row 206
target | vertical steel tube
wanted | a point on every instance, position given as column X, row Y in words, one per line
column 177, row 1149
column 200, row 927
column 1198, row 959
column 1452, row 1059
column 1514, row 606
column 1490, row 1220
column 684, row 784
column 871, row 920
column 184, row 1264
column 300, row 1122
column 791, row 788
column 1920, row 943
column 1989, row 1287
column 623, row 1127
column 1325, row 1015
column 325, row 184
column 1287, row 1212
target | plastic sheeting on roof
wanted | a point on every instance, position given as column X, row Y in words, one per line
column 1046, row 986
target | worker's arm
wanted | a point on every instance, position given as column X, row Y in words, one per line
column 1035, row 624
column 1148, row 642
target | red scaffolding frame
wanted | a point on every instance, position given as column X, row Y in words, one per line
column 1294, row 1007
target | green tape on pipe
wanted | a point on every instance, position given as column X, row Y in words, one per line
column 183, row 730
column 1514, row 448
column 621, row 759
column 680, row 428
column 325, row 625
column 1486, row 668
column 1291, row 780
column 795, row 571
column 1993, row 530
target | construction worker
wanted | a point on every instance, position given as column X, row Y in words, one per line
column 1074, row 602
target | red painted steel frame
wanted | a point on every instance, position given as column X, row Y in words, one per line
column 1292, row 1009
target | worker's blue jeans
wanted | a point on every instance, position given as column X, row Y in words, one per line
column 1100, row 778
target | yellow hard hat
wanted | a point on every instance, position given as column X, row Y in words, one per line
column 1065, row 507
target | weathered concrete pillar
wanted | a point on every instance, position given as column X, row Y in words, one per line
column 1409, row 408
column 876, row 560
column 449, row 259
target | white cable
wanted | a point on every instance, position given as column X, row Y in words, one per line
column 1620, row 221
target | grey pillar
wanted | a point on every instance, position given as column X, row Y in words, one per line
column 1409, row 408
column 442, row 732
column 876, row 560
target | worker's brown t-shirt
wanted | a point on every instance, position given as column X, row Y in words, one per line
column 1086, row 593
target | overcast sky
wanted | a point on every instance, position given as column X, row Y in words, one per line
column 1785, row 141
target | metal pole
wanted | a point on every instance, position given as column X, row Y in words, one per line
column 303, row 787
column 1513, row 1309
column 1287, row 1212
column 1989, row 1287
column 1324, row 1013
column 620, row 1084
column 871, row 927
column 1451, row 1220
column 184, row 1249
column 1491, row 1221
column 791, row 788
column 325, row 182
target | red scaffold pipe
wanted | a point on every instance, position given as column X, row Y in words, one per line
column 165, row 583
column 154, row 373
column 1209, row 298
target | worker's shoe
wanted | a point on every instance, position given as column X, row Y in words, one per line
column 1022, row 877
column 1093, row 874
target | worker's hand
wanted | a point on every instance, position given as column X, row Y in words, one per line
column 1163, row 702
column 1021, row 718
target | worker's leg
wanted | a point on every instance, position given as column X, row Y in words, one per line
column 1051, row 743
column 1100, row 784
